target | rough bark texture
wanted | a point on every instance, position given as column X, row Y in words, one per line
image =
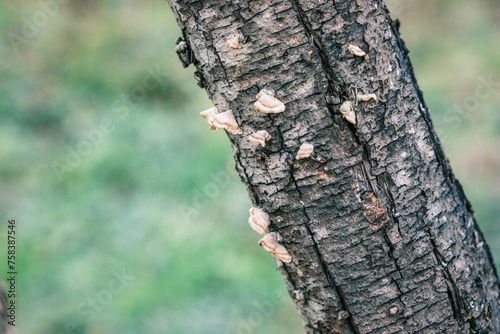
column 382, row 237
column 3, row 312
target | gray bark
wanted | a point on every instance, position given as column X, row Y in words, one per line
column 4, row 326
column 382, row 237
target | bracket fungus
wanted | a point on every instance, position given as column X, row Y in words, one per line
column 235, row 41
column 305, row 151
column 356, row 51
column 259, row 138
column 209, row 116
column 268, row 103
column 259, row 220
column 366, row 97
column 347, row 110
column 224, row 120
column 270, row 244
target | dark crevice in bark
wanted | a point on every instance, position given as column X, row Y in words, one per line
column 209, row 37
column 345, row 305
column 367, row 171
column 385, row 181
column 336, row 88
column 324, row 265
column 453, row 300
column 391, row 255
column 456, row 301
column 336, row 85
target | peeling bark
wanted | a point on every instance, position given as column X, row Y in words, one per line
column 382, row 237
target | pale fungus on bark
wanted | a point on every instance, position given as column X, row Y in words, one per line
column 366, row 97
column 259, row 220
column 227, row 121
column 235, row 41
column 347, row 110
column 209, row 116
column 269, row 241
column 224, row 120
column 270, row 244
column 305, row 151
column 356, row 51
column 259, row 138
column 267, row 102
column 393, row 310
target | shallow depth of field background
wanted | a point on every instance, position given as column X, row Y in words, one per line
column 137, row 202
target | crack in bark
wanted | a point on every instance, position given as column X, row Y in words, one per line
column 333, row 89
column 456, row 301
column 372, row 182
column 343, row 299
column 391, row 255
column 324, row 265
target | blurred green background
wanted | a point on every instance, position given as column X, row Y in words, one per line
column 145, row 231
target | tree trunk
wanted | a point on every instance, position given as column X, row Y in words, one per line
column 4, row 325
column 381, row 235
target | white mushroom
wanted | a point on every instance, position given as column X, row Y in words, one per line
column 259, row 138
column 209, row 116
column 305, row 151
column 267, row 103
column 366, row 97
column 227, row 121
column 356, row 51
column 224, row 120
column 234, row 41
column 347, row 111
column 270, row 244
column 258, row 220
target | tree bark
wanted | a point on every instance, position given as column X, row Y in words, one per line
column 381, row 235
column 4, row 325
